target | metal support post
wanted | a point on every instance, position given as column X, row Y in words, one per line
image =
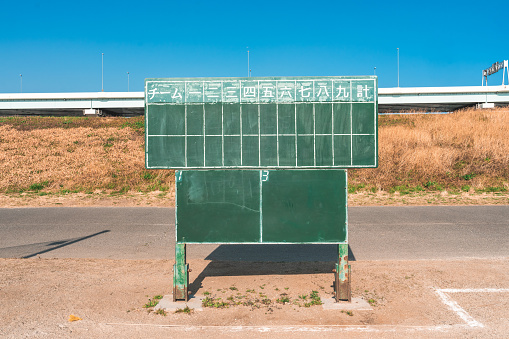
column 342, row 274
column 180, row 274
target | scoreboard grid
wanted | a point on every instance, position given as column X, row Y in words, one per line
column 325, row 127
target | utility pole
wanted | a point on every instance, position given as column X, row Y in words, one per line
column 248, row 68
column 398, row 66
column 102, row 72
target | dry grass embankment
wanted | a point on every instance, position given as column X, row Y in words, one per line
column 54, row 154
column 464, row 151
column 467, row 151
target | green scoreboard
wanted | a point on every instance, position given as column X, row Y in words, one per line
column 261, row 123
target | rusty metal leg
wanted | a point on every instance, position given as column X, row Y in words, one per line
column 180, row 274
column 342, row 275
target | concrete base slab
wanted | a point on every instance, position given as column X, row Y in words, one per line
column 195, row 303
column 169, row 305
column 358, row 304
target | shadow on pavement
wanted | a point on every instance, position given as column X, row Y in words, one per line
column 32, row 250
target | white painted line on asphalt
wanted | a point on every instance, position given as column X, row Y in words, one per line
column 453, row 305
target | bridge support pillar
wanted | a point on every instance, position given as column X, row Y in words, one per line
column 92, row 111
column 486, row 105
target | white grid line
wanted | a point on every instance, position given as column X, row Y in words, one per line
column 296, row 149
column 241, row 137
column 185, row 131
column 259, row 139
column 261, row 103
column 204, row 139
column 351, row 129
column 277, row 134
column 314, row 136
column 332, row 131
column 264, row 167
column 222, row 135
column 263, row 135
column 261, row 206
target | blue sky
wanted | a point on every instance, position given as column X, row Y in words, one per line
column 57, row 45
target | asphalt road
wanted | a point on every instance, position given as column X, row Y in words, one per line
column 375, row 233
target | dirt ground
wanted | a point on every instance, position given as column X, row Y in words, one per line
column 167, row 199
column 424, row 299
column 39, row 295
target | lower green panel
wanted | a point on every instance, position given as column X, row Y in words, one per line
column 251, row 206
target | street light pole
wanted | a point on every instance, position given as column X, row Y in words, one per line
column 248, row 69
column 398, row 66
column 128, row 81
column 102, row 72
column 21, row 83
column 374, row 71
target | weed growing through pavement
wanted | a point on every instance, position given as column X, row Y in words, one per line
column 152, row 302
column 161, row 312
column 305, row 300
column 283, row 299
column 259, row 300
column 215, row 303
column 315, row 299
column 185, row 310
column 374, row 299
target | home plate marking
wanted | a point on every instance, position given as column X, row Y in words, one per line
column 453, row 305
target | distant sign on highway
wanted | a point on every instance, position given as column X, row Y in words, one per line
column 497, row 66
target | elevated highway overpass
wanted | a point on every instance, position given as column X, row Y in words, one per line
column 110, row 103
column 401, row 99
column 439, row 99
